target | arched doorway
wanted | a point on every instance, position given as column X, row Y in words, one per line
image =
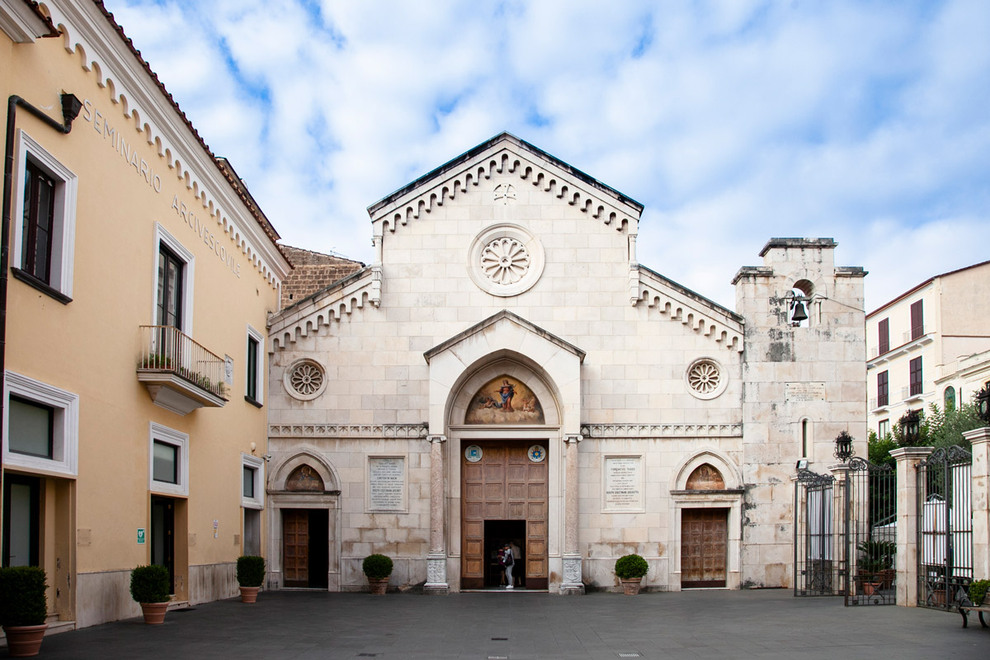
column 305, row 505
column 507, row 458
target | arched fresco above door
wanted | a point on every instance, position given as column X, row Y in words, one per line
column 705, row 477
column 504, row 400
column 304, row 479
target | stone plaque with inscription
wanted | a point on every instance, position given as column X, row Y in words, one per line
column 387, row 483
column 804, row 391
column 624, row 483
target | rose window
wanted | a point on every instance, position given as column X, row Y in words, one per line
column 704, row 377
column 305, row 380
column 505, row 260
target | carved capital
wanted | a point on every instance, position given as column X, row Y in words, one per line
column 436, row 439
column 573, row 438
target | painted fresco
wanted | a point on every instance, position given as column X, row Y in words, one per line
column 504, row 400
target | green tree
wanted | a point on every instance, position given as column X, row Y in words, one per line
column 878, row 449
column 942, row 428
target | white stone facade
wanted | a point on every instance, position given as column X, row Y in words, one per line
column 506, row 270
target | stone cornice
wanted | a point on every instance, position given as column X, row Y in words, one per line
column 323, row 308
column 90, row 33
column 500, row 158
column 661, row 430
column 359, row 431
column 702, row 316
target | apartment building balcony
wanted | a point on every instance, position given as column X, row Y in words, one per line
column 181, row 375
column 877, row 358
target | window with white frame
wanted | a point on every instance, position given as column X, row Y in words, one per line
column 174, row 275
column 254, row 367
column 252, row 482
column 168, row 461
column 44, row 213
column 41, row 426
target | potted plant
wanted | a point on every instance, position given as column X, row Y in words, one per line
column 23, row 609
column 150, row 587
column 250, row 575
column 377, row 568
column 630, row 570
column 875, row 565
column 978, row 591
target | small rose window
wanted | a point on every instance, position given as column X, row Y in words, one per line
column 305, row 380
column 705, row 378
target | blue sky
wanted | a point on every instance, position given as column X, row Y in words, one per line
column 732, row 122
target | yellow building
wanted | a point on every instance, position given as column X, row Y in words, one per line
column 138, row 276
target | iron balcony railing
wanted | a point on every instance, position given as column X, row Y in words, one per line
column 166, row 349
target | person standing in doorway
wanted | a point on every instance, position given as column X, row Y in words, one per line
column 517, row 559
column 507, row 561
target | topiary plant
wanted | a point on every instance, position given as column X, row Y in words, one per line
column 150, row 584
column 250, row 571
column 22, row 596
column 629, row 567
column 377, row 566
column 978, row 591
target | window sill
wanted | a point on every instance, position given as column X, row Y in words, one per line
column 34, row 282
column 256, row 404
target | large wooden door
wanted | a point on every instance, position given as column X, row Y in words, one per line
column 504, row 485
column 704, row 545
column 295, row 547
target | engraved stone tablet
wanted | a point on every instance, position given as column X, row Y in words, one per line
column 804, row 391
column 387, row 483
column 624, row 483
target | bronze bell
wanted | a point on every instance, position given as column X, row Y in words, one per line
column 800, row 313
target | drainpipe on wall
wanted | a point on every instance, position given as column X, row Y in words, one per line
column 70, row 110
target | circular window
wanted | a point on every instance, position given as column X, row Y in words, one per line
column 305, row 380
column 705, row 378
column 505, row 260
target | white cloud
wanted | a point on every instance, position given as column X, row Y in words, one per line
column 732, row 122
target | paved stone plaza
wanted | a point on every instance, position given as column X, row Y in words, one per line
column 694, row 624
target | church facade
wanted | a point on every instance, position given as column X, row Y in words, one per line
column 506, row 371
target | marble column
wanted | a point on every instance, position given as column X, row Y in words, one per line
column 572, row 582
column 980, row 440
column 908, row 518
column 436, row 561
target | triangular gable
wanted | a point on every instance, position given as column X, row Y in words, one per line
column 506, row 154
column 506, row 315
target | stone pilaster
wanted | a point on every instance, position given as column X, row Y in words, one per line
column 980, row 440
column 906, row 561
column 572, row 582
column 436, row 561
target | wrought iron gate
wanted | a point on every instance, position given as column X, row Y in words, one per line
column 845, row 534
column 871, row 531
column 816, row 554
column 945, row 532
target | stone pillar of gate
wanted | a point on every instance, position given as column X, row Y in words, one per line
column 906, row 560
column 980, row 440
column 436, row 560
column 844, row 527
column 572, row 583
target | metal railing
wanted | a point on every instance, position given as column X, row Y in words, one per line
column 165, row 349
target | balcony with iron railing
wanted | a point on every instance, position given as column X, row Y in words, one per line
column 180, row 374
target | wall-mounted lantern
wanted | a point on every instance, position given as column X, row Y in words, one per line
column 844, row 446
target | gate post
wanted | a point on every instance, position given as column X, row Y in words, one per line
column 842, row 530
column 906, row 561
column 980, row 440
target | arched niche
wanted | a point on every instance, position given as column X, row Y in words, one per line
column 293, row 467
column 705, row 477
column 485, row 379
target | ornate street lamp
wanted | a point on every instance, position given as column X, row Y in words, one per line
column 983, row 403
column 910, row 423
column 843, row 446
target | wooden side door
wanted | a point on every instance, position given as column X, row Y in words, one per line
column 704, row 546
column 295, row 547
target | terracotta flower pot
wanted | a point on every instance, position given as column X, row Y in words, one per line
column 249, row 594
column 24, row 641
column 630, row 586
column 154, row 613
column 378, row 585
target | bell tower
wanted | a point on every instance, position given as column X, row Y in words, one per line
column 804, row 382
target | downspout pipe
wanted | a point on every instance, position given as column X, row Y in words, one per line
column 70, row 110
